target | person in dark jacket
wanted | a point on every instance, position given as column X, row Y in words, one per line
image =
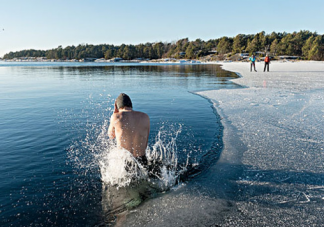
column 266, row 63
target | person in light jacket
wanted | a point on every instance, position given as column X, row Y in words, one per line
column 252, row 62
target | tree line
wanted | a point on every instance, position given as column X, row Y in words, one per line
column 306, row 44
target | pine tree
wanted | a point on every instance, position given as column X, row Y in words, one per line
column 224, row 46
column 307, row 47
column 238, row 44
column 274, row 47
column 317, row 50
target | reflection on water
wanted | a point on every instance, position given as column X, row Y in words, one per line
column 167, row 70
column 116, row 200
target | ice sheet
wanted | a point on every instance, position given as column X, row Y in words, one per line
column 273, row 129
column 279, row 115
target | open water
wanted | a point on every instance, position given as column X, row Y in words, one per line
column 54, row 149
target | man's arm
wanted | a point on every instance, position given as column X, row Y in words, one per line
column 111, row 129
column 148, row 133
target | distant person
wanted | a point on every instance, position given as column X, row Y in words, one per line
column 130, row 128
column 252, row 62
column 266, row 63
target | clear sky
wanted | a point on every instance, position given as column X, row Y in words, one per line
column 44, row 24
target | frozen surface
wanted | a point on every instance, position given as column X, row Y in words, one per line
column 279, row 115
column 273, row 129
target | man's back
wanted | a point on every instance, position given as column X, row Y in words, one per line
column 132, row 130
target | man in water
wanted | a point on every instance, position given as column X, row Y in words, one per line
column 130, row 128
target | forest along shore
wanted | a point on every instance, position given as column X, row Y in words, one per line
column 304, row 45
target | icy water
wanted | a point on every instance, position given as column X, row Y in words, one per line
column 52, row 133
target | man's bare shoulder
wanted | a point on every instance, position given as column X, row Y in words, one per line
column 115, row 116
column 141, row 114
column 133, row 114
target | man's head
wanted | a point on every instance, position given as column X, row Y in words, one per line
column 123, row 101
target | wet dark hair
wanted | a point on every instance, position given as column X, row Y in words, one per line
column 123, row 101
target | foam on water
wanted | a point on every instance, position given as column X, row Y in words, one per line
column 118, row 167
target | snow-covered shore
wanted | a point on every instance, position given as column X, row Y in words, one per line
column 273, row 129
column 271, row 106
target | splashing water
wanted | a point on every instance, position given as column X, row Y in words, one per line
column 119, row 168
column 164, row 154
column 125, row 182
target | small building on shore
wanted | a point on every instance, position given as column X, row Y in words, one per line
column 116, row 59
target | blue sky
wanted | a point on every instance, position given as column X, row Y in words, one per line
column 42, row 24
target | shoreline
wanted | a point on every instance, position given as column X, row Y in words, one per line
column 166, row 60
